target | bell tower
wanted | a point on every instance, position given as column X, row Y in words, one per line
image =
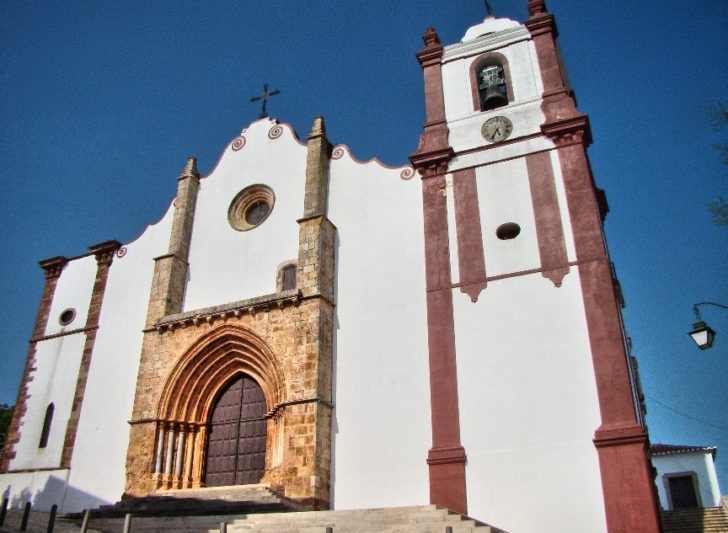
column 530, row 381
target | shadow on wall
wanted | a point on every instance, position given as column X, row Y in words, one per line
column 53, row 491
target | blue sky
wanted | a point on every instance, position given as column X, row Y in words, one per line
column 101, row 102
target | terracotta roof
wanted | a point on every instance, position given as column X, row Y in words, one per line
column 668, row 449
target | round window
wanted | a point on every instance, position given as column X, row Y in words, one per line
column 67, row 317
column 251, row 207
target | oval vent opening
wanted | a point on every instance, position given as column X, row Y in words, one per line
column 509, row 230
column 67, row 317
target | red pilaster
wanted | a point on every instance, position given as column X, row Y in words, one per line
column 446, row 458
column 104, row 253
column 433, row 148
column 471, row 256
column 629, row 494
column 549, row 230
column 557, row 100
column 53, row 268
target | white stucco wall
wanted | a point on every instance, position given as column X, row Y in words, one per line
column 528, row 406
column 98, row 462
column 43, row 489
column 73, row 291
column 103, row 429
column 56, row 369
column 700, row 463
column 381, row 428
column 227, row 265
column 54, row 380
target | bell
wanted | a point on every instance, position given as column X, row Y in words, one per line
column 494, row 98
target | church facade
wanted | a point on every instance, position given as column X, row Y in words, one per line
column 354, row 335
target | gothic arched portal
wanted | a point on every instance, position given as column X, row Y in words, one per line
column 228, row 369
column 237, row 435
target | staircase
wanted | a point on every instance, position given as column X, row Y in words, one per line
column 209, row 501
column 708, row 520
column 417, row 519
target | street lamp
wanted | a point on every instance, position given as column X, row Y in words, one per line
column 702, row 333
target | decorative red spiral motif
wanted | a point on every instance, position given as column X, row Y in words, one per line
column 238, row 143
column 275, row 132
column 338, row 153
column 407, row 173
column 121, row 252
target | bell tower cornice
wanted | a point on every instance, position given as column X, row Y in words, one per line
column 434, row 151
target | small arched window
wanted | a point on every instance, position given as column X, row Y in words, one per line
column 47, row 421
column 289, row 277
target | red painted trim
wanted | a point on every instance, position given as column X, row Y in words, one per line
column 104, row 253
column 446, row 458
column 557, row 99
column 622, row 445
column 527, row 272
column 53, row 268
column 433, row 150
column 630, row 498
column 547, row 215
column 471, row 256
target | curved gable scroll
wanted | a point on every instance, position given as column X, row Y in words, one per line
column 209, row 365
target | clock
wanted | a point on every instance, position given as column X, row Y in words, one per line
column 497, row 129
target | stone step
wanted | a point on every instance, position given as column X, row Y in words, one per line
column 38, row 522
column 421, row 519
column 429, row 512
column 710, row 520
column 210, row 501
column 225, row 492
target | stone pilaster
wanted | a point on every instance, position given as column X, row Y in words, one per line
column 104, row 253
column 317, row 170
column 53, row 268
column 166, row 298
column 170, row 270
column 315, row 281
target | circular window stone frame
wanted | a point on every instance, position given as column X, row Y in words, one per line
column 67, row 316
column 247, row 199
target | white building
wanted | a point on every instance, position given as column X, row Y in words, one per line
column 686, row 476
column 444, row 333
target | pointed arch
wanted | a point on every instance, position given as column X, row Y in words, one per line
column 193, row 387
column 210, row 364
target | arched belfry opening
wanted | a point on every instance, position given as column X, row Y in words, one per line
column 491, row 83
column 216, row 417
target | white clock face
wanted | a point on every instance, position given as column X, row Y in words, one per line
column 497, row 129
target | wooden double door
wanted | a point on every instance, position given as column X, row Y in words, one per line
column 237, row 437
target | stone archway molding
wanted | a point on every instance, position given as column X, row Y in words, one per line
column 189, row 394
column 209, row 364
